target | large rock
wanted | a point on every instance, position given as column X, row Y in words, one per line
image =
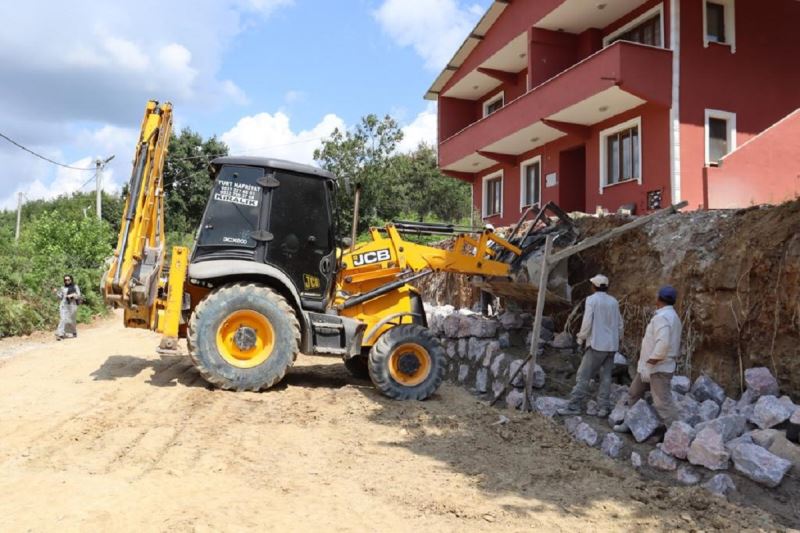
column 729, row 427
column 747, row 398
column 463, row 373
column 539, row 375
column 642, row 420
column 586, row 434
column 612, row 445
column 548, row 405
column 784, row 449
column 795, row 418
column 477, row 326
column 688, row 409
column 636, row 460
column 482, row 381
column 463, row 348
column 688, row 476
column 769, row 412
column 678, row 438
column 721, row 485
column 728, row 407
column 476, row 349
column 681, row 384
column 708, row 450
column 497, row 365
column 515, row 399
column 571, row 424
column 511, row 320
column 504, row 339
column 709, row 410
column 705, row 388
column 764, row 437
column 661, row 461
column 617, row 415
column 436, row 316
column 563, row 341
column 491, row 352
column 761, row 381
column 759, row 464
column 450, row 325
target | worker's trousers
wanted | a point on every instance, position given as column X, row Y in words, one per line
column 660, row 388
column 593, row 362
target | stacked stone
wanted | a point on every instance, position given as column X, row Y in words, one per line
column 477, row 349
column 715, row 433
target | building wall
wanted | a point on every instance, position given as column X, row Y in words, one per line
column 766, row 170
column 655, row 169
column 760, row 82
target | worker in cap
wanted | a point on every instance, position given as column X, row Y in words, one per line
column 600, row 333
column 658, row 358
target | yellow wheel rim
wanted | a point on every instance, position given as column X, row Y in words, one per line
column 245, row 339
column 410, row 364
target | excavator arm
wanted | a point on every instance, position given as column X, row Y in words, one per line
column 134, row 279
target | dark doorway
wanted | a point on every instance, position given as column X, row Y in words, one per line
column 572, row 179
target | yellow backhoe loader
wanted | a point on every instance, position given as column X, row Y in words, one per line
column 267, row 280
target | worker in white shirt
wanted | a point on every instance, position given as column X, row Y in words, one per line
column 658, row 358
column 600, row 332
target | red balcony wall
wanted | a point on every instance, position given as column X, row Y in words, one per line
column 760, row 82
column 455, row 114
column 655, row 169
column 517, row 18
column 764, row 171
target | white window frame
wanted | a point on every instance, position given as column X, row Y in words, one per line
column 604, row 135
column 493, row 100
column 522, row 167
column 485, row 198
column 730, row 24
column 659, row 9
column 731, row 120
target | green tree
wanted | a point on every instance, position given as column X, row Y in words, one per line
column 364, row 156
column 427, row 192
column 187, row 182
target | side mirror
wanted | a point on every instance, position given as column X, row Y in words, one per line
column 347, row 242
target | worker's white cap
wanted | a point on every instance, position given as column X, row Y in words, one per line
column 599, row 280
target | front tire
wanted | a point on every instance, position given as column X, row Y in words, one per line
column 407, row 363
column 244, row 337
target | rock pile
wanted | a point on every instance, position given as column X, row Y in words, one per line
column 752, row 436
column 477, row 350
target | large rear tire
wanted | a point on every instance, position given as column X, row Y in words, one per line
column 407, row 363
column 244, row 337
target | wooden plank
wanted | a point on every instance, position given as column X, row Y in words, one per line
column 537, row 323
column 616, row 232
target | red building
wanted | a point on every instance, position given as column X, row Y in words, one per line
column 611, row 103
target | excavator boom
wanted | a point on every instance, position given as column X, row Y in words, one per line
column 133, row 279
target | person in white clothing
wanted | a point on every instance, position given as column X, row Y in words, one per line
column 658, row 358
column 600, row 332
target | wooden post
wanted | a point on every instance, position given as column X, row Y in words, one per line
column 544, row 275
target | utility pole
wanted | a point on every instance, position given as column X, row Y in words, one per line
column 20, row 199
column 100, row 164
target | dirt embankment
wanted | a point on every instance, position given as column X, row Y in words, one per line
column 738, row 276
column 738, row 273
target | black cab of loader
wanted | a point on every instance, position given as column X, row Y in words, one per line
column 271, row 223
column 275, row 214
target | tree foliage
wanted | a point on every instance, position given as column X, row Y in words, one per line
column 187, row 182
column 392, row 184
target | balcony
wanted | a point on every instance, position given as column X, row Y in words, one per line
column 616, row 79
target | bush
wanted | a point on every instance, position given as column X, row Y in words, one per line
column 51, row 245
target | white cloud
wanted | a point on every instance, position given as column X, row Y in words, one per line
column 76, row 75
column 294, row 97
column 271, row 135
column 434, row 28
column 422, row 130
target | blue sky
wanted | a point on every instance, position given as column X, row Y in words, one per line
column 270, row 77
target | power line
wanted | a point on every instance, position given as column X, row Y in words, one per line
column 40, row 156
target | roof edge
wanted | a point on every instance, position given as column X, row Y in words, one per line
column 473, row 39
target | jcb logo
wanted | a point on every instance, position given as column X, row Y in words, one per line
column 311, row 282
column 369, row 258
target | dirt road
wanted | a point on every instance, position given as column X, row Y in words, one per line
column 102, row 434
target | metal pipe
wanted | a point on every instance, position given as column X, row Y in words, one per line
column 383, row 289
column 356, row 204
